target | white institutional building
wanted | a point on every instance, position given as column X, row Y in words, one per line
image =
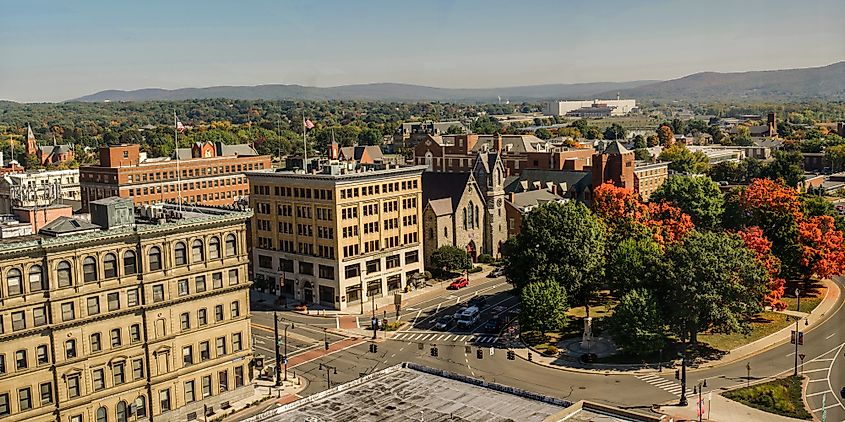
column 619, row 107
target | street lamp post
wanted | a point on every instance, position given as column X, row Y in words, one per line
column 797, row 318
column 276, row 348
column 328, row 374
column 286, row 352
column 683, row 401
column 374, row 321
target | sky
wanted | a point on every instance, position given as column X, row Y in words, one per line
column 55, row 50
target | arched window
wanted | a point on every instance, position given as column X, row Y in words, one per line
column 141, row 407
column 102, row 415
column 470, row 215
column 36, row 279
column 477, row 217
column 429, row 160
column 231, row 245
column 180, row 255
column 89, row 269
column 63, row 274
column 197, row 251
column 130, row 265
column 155, row 258
column 121, row 411
column 464, row 217
column 214, row 247
column 110, row 266
column 14, row 282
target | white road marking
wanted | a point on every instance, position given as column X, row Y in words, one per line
column 828, row 337
column 815, row 370
column 826, row 407
column 819, row 393
column 440, row 337
column 818, row 380
column 394, row 355
column 337, row 322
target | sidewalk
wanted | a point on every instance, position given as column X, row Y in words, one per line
column 819, row 314
column 265, row 392
column 720, row 410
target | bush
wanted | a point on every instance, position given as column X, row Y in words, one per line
column 393, row 326
column 485, row 258
column 551, row 351
column 427, row 275
column 474, row 270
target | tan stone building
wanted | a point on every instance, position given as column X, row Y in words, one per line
column 648, row 177
column 339, row 237
column 129, row 318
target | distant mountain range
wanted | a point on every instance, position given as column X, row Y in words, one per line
column 816, row 83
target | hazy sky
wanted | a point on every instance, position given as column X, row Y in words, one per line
column 58, row 50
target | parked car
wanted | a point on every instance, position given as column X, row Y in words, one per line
column 444, row 323
column 497, row 272
column 478, row 301
column 459, row 283
column 491, row 326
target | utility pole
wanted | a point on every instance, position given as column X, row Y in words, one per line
column 276, row 348
column 374, row 321
column 683, row 401
column 328, row 374
column 797, row 335
column 286, row 352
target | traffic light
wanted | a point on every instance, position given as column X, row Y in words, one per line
column 468, row 349
column 421, row 346
column 530, row 357
column 479, row 354
column 373, row 348
column 327, row 345
column 433, row 353
column 511, row 355
column 677, row 374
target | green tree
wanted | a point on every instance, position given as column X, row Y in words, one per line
column 711, row 282
column 542, row 306
column 678, row 126
column 697, row 196
column 742, row 136
column 788, row 166
column 636, row 323
column 814, row 206
column 561, row 242
column 450, row 258
column 665, row 134
column 639, row 142
column 642, row 154
column 683, row 160
column 370, row 136
column 543, row 133
column 836, row 155
column 634, row 264
column 615, row 131
column 486, row 125
column 455, row 130
column 697, row 126
column 593, row 133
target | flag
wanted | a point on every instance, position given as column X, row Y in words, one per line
column 179, row 126
column 308, row 124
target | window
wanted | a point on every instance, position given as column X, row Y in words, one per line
column 114, row 301
column 155, row 258
column 218, row 313
column 221, row 346
column 137, row 369
column 231, row 245
column 158, row 293
column 180, row 254
column 236, row 309
column 132, row 298
column 206, row 386
column 25, row 399
column 130, row 264
column 20, row 359
column 141, row 407
column 214, row 248
column 326, row 272
column 73, row 386
column 116, row 339
column 93, row 305
column 202, row 317
column 189, row 392
column 412, row 257
column 236, row 342
column 2, row 364
column 239, row 376
column 223, row 381
column 197, row 251
column 96, row 342
column 186, row 321
column 205, row 351
column 265, row 261
column 46, row 390
column 183, row 287
column 187, row 355
column 89, row 269
column 392, row 261
column 353, row 270
column 13, row 282
column 41, row 355
column 164, row 399
column 70, row 349
column 200, row 283
column 110, row 266
column 233, row 277
column 135, row 333
column 373, row 266
column 4, row 405
column 99, row 377
column 39, row 317
column 68, row 313
column 36, row 279
column 121, row 411
column 18, row 321
column 63, row 274
column 101, row 415
column 217, row 280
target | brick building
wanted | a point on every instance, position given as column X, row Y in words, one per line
column 210, row 173
column 47, row 154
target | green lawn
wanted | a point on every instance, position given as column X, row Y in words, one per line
column 781, row 397
column 764, row 324
column 807, row 303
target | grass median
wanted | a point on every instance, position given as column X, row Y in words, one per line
column 781, row 397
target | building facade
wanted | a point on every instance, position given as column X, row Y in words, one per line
column 340, row 237
column 38, row 188
column 648, row 177
column 208, row 173
column 618, row 107
column 125, row 317
column 47, row 154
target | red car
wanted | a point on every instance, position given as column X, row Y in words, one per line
column 459, row 284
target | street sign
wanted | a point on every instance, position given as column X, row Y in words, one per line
column 802, row 356
column 491, row 351
column 800, row 338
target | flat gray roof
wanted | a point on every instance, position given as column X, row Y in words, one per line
column 400, row 393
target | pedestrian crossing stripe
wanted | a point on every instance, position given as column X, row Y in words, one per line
column 669, row 386
column 412, row 336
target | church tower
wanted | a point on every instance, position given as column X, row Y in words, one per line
column 31, row 146
column 489, row 173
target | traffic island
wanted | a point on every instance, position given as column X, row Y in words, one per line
column 780, row 397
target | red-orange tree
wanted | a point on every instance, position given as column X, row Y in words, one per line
column 822, row 248
column 762, row 248
column 626, row 216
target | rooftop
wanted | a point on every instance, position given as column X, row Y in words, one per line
column 337, row 173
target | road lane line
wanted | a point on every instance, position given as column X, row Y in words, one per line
column 826, row 407
column 814, row 370
column 819, row 393
column 828, row 337
column 337, row 322
column 818, row 380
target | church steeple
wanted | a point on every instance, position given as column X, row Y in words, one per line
column 31, row 146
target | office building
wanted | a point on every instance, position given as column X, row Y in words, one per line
column 139, row 314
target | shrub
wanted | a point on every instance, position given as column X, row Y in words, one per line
column 485, row 258
column 551, row 351
column 474, row 270
column 427, row 275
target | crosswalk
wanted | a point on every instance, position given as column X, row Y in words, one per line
column 446, row 337
column 669, row 386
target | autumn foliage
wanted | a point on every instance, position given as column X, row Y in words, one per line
column 762, row 247
column 822, row 246
column 626, row 215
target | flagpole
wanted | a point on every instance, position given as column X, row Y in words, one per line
column 304, row 145
column 178, row 172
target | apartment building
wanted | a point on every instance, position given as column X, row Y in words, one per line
column 210, row 173
column 138, row 315
column 338, row 237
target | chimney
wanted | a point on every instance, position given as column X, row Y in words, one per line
column 511, row 197
column 497, row 142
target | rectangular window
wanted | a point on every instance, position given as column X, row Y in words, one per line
column 239, row 376
column 4, row 405
column 221, row 346
column 25, row 399
column 158, row 293
column 233, row 277
column 114, row 301
column 326, row 272
column 412, row 257
column 206, row 386
column 218, row 313
column 189, row 392
column 353, row 270
column 135, row 333
column 2, row 364
column 188, row 355
column 183, row 287
column 41, row 355
column 373, row 266
column 200, row 283
column 18, row 321
column 46, row 390
column 237, row 346
column 205, row 351
column 202, row 317
column 265, row 262
column 70, row 349
column 67, row 311
column 96, row 344
column 93, row 305
column 117, row 373
column 39, row 317
column 116, row 339
column 20, row 360
column 306, row 268
column 217, row 280
column 99, row 377
column 137, row 369
column 164, row 399
column 185, row 320
column 236, row 309
column 392, row 261
column 223, row 381
column 73, row 386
